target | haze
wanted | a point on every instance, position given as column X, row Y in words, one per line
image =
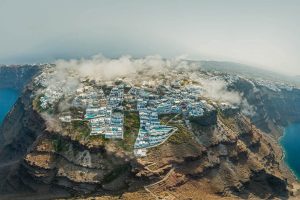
column 261, row 33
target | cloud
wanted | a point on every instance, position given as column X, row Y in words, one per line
column 99, row 67
column 217, row 90
column 102, row 68
column 67, row 75
column 247, row 109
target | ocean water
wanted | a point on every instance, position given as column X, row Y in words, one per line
column 7, row 99
column 290, row 142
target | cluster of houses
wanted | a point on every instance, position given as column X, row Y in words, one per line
column 52, row 93
column 106, row 120
column 174, row 101
column 116, row 97
column 50, row 97
column 104, row 108
column 87, row 96
column 184, row 101
column 195, row 109
column 151, row 132
column 104, row 111
column 41, row 80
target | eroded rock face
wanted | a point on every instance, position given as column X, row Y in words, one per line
column 227, row 158
column 273, row 109
column 208, row 119
column 233, row 156
column 20, row 129
column 23, row 125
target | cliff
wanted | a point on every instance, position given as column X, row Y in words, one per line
column 23, row 124
column 230, row 159
column 273, row 109
column 221, row 154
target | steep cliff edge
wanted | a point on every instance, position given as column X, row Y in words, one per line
column 19, row 129
column 23, row 124
column 43, row 155
column 273, row 109
column 231, row 159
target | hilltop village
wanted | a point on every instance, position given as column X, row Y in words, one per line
column 149, row 132
column 101, row 105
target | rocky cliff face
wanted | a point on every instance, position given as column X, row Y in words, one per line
column 231, row 159
column 272, row 109
column 225, row 155
column 23, row 124
column 17, row 77
column 20, row 129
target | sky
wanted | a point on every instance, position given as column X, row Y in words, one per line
column 263, row 33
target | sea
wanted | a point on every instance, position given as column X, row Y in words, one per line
column 7, row 99
column 290, row 142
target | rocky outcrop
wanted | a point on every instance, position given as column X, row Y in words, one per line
column 19, row 129
column 208, row 119
column 231, row 158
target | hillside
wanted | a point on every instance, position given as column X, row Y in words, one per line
column 49, row 150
